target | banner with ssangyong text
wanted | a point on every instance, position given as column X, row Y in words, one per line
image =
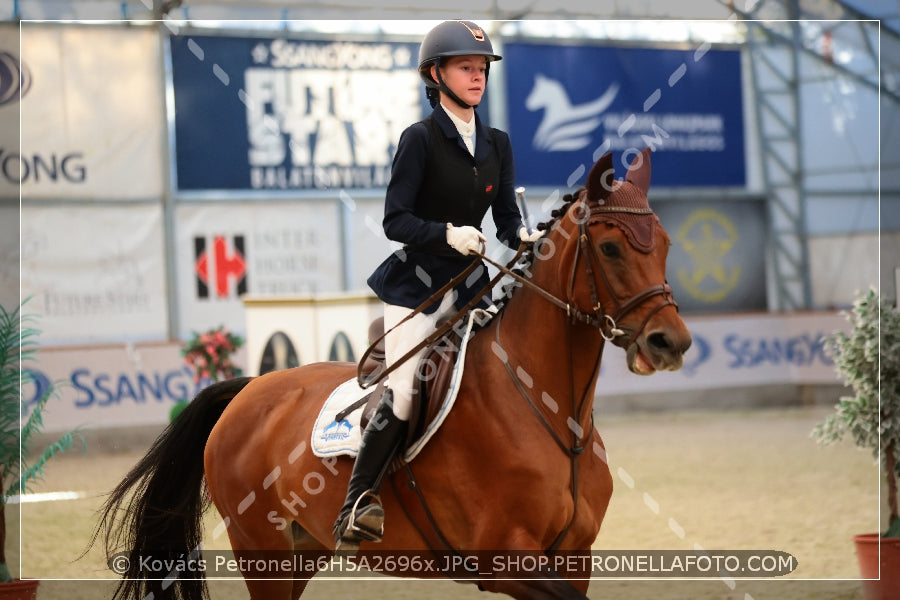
column 92, row 113
column 282, row 114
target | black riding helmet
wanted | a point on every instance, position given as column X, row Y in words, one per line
column 452, row 38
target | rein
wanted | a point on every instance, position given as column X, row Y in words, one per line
column 366, row 382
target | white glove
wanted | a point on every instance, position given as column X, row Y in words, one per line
column 529, row 237
column 465, row 240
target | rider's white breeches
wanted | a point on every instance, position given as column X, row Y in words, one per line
column 401, row 340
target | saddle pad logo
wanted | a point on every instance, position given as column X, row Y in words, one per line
column 337, row 431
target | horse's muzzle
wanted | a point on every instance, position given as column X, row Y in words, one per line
column 660, row 350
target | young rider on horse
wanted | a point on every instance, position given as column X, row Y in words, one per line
column 448, row 170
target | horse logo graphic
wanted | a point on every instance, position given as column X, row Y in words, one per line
column 565, row 127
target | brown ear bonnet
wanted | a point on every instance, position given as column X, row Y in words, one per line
column 623, row 203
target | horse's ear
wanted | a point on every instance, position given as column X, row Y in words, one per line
column 600, row 179
column 639, row 171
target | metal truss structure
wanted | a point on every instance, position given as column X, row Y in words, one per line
column 790, row 41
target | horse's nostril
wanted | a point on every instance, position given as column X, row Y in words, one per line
column 658, row 341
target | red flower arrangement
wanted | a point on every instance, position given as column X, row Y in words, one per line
column 209, row 354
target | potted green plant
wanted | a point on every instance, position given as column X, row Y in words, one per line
column 868, row 360
column 19, row 465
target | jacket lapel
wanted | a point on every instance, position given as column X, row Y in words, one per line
column 483, row 139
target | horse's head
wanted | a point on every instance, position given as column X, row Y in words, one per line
column 614, row 264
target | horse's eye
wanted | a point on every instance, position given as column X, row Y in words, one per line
column 610, row 250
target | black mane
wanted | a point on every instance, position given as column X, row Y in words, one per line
column 527, row 260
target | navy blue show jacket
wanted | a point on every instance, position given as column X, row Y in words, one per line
column 435, row 181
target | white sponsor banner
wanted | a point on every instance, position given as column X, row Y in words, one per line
column 92, row 113
column 225, row 251
column 111, row 386
column 94, row 274
column 738, row 351
column 14, row 82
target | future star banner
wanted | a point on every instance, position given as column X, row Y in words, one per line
column 281, row 114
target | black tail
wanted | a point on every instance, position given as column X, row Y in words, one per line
column 161, row 527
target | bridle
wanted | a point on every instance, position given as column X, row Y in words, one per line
column 605, row 322
column 587, row 247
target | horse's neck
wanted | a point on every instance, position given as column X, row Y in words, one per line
column 562, row 359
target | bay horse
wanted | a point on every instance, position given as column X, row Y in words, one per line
column 517, row 466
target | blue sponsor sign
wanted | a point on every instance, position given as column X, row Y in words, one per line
column 570, row 104
column 281, row 114
column 109, row 390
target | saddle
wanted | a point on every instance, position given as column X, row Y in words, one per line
column 435, row 368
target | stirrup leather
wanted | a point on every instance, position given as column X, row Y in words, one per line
column 359, row 530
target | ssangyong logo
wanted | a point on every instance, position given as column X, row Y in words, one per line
column 15, row 78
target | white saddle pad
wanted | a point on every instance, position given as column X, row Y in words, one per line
column 342, row 438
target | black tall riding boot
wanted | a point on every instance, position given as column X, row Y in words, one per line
column 362, row 516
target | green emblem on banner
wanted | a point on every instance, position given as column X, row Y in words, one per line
column 708, row 236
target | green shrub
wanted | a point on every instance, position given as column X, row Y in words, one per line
column 868, row 361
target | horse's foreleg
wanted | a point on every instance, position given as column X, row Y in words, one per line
column 552, row 588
